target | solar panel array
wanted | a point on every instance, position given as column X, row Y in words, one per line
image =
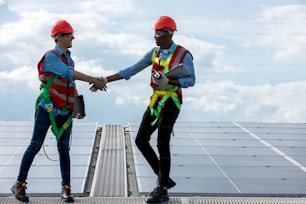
column 207, row 158
column 232, row 158
column 44, row 175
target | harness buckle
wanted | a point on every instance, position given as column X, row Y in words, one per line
column 49, row 107
column 65, row 126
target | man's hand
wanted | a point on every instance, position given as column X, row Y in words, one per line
column 79, row 116
column 162, row 80
column 99, row 84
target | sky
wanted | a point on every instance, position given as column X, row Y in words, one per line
column 249, row 56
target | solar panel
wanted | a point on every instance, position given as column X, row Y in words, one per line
column 249, row 158
column 44, row 175
column 207, row 158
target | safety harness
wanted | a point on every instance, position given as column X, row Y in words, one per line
column 173, row 58
column 44, row 94
column 164, row 95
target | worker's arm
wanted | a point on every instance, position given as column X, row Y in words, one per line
column 107, row 79
column 98, row 83
column 114, row 77
column 188, row 81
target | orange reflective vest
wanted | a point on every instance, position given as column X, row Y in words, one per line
column 62, row 93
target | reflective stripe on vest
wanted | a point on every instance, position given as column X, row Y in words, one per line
column 61, row 92
column 174, row 59
column 52, row 86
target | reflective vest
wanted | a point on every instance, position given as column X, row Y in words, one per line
column 56, row 91
column 159, row 97
column 61, row 92
column 174, row 59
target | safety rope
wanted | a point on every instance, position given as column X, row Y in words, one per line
column 45, row 152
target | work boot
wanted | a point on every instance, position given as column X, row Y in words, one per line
column 18, row 189
column 171, row 183
column 66, row 194
column 158, row 195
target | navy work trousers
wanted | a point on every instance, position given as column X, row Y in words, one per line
column 41, row 126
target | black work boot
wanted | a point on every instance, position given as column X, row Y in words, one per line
column 18, row 189
column 158, row 195
column 66, row 194
column 171, row 183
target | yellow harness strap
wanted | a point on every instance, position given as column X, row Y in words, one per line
column 165, row 95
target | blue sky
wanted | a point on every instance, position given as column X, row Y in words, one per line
column 249, row 56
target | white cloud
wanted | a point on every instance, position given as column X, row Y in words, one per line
column 265, row 103
column 283, row 31
column 199, row 48
column 19, row 77
column 131, row 94
column 127, row 43
column 90, row 67
column 212, row 55
column 30, row 24
column 107, row 7
column 111, row 35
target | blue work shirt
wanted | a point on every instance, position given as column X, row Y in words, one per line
column 143, row 63
column 52, row 63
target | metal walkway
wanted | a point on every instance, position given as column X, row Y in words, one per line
column 173, row 200
column 110, row 174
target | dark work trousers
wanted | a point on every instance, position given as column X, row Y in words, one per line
column 41, row 126
column 168, row 115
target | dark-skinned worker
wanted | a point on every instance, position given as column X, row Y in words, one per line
column 165, row 103
column 54, row 108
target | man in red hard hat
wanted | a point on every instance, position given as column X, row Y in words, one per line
column 165, row 103
column 165, row 22
column 60, row 27
column 54, row 107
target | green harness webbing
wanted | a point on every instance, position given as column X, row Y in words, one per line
column 44, row 94
column 171, row 93
column 166, row 95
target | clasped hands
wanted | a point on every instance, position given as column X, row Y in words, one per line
column 162, row 81
column 99, row 84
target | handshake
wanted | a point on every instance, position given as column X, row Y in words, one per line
column 99, row 84
column 159, row 78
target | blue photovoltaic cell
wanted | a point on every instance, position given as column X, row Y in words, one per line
column 229, row 157
column 207, row 157
column 44, row 175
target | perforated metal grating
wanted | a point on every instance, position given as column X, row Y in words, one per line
column 173, row 200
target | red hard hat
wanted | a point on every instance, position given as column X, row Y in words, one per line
column 61, row 26
column 165, row 22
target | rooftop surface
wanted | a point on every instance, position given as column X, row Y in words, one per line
column 212, row 162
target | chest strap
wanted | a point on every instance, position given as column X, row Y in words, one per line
column 163, row 96
column 44, row 94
